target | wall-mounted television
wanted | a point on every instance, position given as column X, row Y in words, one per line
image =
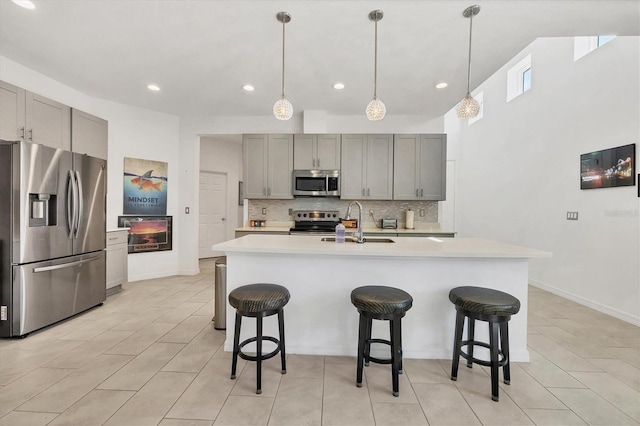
column 147, row 233
column 608, row 168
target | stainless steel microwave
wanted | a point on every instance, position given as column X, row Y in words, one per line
column 316, row 183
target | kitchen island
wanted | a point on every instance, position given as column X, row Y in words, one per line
column 320, row 275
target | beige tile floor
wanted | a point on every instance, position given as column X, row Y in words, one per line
column 150, row 356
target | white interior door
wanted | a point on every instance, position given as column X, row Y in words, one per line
column 213, row 211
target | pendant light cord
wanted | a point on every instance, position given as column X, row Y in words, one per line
column 469, row 63
column 375, row 62
column 283, row 23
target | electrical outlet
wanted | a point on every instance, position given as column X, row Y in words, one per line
column 290, row 212
column 371, row 212
column 264, row 210
column 421, row 212
column 572, row 215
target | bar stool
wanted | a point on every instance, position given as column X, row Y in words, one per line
column 494, row 307
column 381, row 303
column 258, row 301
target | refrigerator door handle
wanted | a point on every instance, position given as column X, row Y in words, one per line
column 64, row 265
column 79, row 205
column 70, row 203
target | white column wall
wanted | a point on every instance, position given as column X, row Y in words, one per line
column 519, row 170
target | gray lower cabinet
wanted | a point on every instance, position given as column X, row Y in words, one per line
column 30, row 117
column 420, row 163
column 268, row 166
column 367, row 167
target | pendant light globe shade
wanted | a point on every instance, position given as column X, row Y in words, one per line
column 283, row 110
column 376, row 110
column 468, row 108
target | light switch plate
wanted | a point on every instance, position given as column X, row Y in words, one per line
column 572, row 215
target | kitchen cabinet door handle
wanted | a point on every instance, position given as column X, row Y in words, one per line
column 363, row 192
column 31, row 134
column 22, row 130
column 264, row 191
column 368, row 192
column 421, row 192
column 269, row 192
column 416, row 192
column 318, row 163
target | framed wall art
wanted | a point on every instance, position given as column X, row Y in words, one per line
column 147, row 233
column 608, row 168
column 145, row 187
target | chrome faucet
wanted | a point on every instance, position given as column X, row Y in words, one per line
column 359, row 236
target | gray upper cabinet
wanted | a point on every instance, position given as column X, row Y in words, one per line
column 420, row 167
column 268, row 166
column 12, row 118
column 30, row 117
column 320, row 152
column 367, row 167
column 89, row 134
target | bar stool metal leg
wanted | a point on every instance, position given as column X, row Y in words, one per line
column 259, row 354
column 283, row 356
column 457, row 345
column 367, row 342
column 396, row 354
column 504, row 344
column 362, row 343
column 493, row 350
column 236, row 345
column 471, row 335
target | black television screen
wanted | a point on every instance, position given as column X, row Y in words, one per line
column 608, row 168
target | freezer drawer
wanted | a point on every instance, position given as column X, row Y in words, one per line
column 50, row 291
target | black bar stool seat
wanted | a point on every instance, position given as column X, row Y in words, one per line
column 258, row 301
column 380, row 303
column 494, row 307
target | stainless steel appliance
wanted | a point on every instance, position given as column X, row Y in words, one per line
column 52, row 235
column 319, row 222
column 316, row 183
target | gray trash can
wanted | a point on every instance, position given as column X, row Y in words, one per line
column 220, row 295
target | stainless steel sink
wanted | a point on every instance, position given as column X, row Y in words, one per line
column 366, row 240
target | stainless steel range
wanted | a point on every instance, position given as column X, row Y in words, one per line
column 315, row 221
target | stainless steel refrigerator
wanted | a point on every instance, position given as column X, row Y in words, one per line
column 52, row 235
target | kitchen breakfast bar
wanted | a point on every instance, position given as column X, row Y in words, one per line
column 320, row 275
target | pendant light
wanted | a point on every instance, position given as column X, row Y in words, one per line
column 376, row 109
column 469, row 107
column 283, row 110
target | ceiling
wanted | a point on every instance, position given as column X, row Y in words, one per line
column 202, row 52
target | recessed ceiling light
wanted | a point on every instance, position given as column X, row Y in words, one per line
column 25, row 3
column 248, row 88
column 441, row 85
column 153, row 87
column 338, row 86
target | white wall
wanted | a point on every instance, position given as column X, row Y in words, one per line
column 519, row 167
column 224, row 154
column 133, row 132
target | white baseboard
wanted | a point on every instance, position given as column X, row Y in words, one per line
column 632, row 319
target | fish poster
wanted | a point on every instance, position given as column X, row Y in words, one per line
column 145, row 187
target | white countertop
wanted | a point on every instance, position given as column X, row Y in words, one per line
column 402, row 247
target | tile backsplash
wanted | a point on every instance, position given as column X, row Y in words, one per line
column 278, row 210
